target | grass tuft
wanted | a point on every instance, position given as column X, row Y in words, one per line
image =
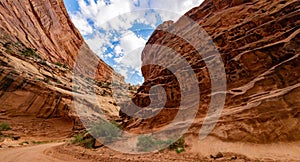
column 4, row 127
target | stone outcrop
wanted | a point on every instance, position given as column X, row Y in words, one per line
column 258, row 41
column 39, row 52
column 46, row 27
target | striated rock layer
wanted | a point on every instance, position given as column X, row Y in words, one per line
column 259, row 44
column 39, row 52
column 46, row 27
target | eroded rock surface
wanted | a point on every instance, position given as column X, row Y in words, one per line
column 259, row 44
column 39, row 52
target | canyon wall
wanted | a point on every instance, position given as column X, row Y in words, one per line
column 258, row 41
column 40, row 49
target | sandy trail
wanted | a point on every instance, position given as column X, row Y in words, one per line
column 199, row 151
column 273, row 152
column 31, row 153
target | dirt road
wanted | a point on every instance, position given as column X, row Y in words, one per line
column 61, row 152
column 37, row 153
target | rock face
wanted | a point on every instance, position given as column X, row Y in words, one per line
column 259, row 44
column 39, row 49
column 46, row 26
column 43, row 25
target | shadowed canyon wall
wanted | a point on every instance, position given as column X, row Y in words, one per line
column 40, row 47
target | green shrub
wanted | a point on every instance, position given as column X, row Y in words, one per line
column 109, row 131
column 178, row 144
column 39, row 142
column 147, row 143
column 29, row 52
column 180, row 150
column 78, row 138
column 4, row 127
column 61, row 65
column 120, row 126
column 25, row 142
column 88, row 143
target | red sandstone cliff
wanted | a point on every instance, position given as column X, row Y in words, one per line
column 39, row 46
column 259, row 44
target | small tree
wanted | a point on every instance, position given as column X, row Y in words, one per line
column 109, row 131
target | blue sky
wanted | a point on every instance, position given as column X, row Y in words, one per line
column 117, row 30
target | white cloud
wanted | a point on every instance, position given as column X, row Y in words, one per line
column 99, row 42
column 118, row 50
column 112, row 23
column 110, row 55
column 129, row 42
column 173, row 9
column 82, row 24
column 132, row 47
column 106, row 16
column 177, row 6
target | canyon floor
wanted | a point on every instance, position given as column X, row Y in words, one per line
column 41, row 147
column 64, row 151
column 50, row 140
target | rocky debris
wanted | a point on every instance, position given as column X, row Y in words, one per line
column 16, row 137
column 8, row 142
column 258, row 41
column 98, row 144
column 233, row 158
column 217, row 156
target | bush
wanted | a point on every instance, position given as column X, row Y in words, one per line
column 178, row 146
column 78, row 138
column 4, row 127
column 82, row 141
column 107, row 130
column 88, row 143
column 147, row 143
column 30, row 52
column 61, row 65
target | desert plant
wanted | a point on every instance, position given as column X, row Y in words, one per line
column 38, row 142
column 25, row 142
column 118, row 125
column 61, row 65
column 4, row 127
column 180, row 150
column 109, row 131
column 29, row 52
column 78, row 138
column 147, row 143
column 88, row 143
column 178, row 146
column 83, row 141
